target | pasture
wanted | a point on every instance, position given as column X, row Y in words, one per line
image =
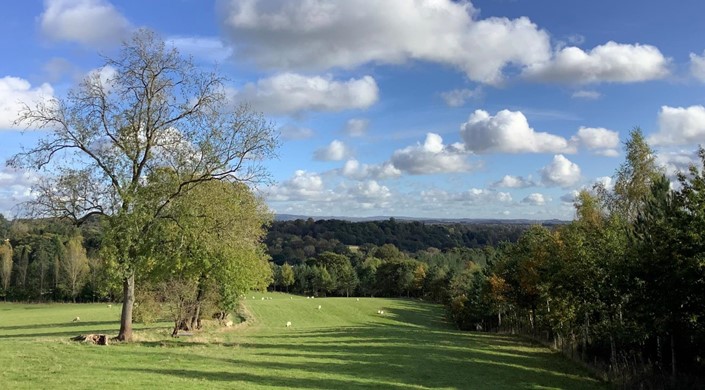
column 345, row 344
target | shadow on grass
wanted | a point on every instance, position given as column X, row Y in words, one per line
column 416, row 349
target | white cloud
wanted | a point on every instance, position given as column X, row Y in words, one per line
column 335, row 151
column 508, row 132
column 290, row 93
column 431, row 157
column 292, row 132
column 318, row 35
column 697, row 66
column 209, row 49
column 369, row 192
column 471, row 196
column 586, row 94
column 509, row 181
column 303, row 186
column 611, row 62
column 598, row 139
column 356, row 127
column 675, row 162
column 680, row 126
column 94, row 23
column 14, row 92
column 458, row 97
column 15, row 187
column 354, row 170
column 570, row 197
column 560, row 172
column 536, row 199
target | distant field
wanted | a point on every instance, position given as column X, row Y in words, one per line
column 344, row 345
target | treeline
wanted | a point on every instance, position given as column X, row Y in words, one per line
column 296, row 241
column 51, row 260
column 622, row 287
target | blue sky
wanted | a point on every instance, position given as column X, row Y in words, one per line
column 419, row 108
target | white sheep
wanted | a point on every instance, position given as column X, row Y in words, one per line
column 263, row 298
column 319, row 307
column 229, row 323
column 308, row 297
column 291, row 297
column 109, row 306
column 288, row 324
column 380, row 312
column 253, row 297
column 358, row 299
column 76, row 319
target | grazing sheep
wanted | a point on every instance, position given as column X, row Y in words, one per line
column 253, row 297
column 380, row 312
column 291, row 297
column 263, row 298
column 76, row 319
column 308, row 297
column 229, row 324
column 358, row 299
column 109, row 306
column 319, row 307
column 288, row 324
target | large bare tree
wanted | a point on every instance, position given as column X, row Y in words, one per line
column 148, row 111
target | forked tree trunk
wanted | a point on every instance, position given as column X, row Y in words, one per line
column 128, row 293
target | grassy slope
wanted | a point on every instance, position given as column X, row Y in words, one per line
column 345, row 345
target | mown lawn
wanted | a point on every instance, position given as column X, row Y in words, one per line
column 344, row 345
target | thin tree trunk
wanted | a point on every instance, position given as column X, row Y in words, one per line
column 673, row 356
column 128, row 290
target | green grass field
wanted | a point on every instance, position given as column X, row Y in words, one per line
column 344, row 345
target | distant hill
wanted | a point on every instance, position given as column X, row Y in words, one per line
column 478, row 221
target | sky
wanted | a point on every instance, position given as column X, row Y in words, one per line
column 411, row 108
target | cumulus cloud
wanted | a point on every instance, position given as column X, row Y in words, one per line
column 680, row 126
column 697, row 66
column 586, row 94
column 536, row 199
column 471, row 196
column 356, row 127
column 95, row 23
column 508, row 132
column 335, row 151
column 509, row 181
column 599, row 140
column 292, row 132
column 315, row 35
column 14, row 93
column 560, row 172
column 570, row 197
column 611, row 62
column 458, row 97
column 431, row 157
column 15, row 188
column 208, row 49
column 353, row 169
column 674, row 162
column 369, row 193
column 291, row 93
column 303, row 186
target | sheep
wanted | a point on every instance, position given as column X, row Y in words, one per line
column 288, row 324
column 291, row 297
column 358, row 299
column 380, row 312
column 253, row 297
column 308, row 297
column 229, row 323
column 109, row 306
column 263, row 298
column 319, row 307
column 76, row 319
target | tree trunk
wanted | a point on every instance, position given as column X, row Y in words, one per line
column 128, row 292
column 673, row 356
